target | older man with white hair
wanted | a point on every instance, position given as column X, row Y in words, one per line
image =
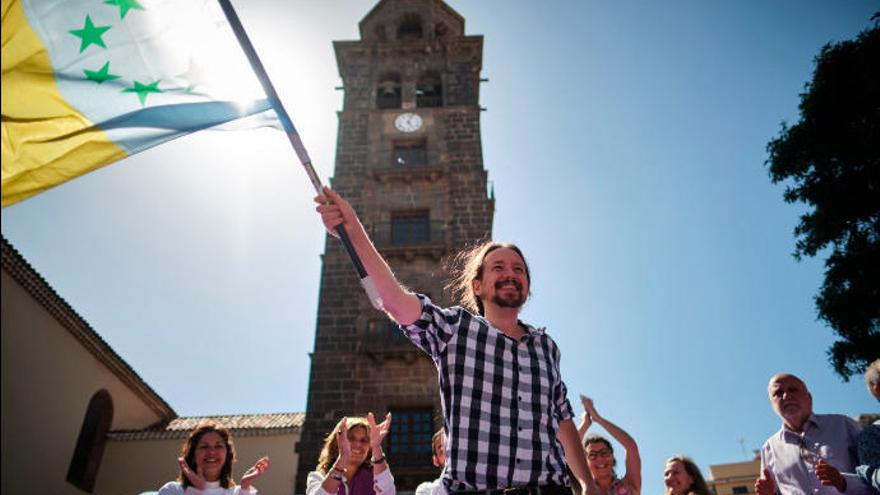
column 812, row 454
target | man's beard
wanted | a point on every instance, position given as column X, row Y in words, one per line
column 515, row 300
column 512, row 302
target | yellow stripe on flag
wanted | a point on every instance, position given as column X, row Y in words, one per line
column 45, row 141
column 86, row 83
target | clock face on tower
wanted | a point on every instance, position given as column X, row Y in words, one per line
column 408, row 122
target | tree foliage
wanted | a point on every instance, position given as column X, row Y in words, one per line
column 830, row 161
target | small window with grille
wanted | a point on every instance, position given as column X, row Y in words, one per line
column 409, row 443
column 410, row 227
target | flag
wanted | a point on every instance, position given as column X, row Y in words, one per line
column 89, row 82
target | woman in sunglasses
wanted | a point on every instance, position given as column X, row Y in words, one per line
column 600, row 455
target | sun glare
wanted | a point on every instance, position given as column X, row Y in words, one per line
column 213, row 63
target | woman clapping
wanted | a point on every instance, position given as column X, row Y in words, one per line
column 205, row 461
column 352, row 461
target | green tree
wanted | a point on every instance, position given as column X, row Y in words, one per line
column 830, row 161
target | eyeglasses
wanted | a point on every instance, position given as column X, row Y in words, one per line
column 599, row 453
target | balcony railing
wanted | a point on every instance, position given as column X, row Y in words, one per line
column 428, row 171
column 409, row 156
column 388, row 100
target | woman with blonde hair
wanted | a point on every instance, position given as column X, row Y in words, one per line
column 205, row 461
column 352, row 462
column 683, row 477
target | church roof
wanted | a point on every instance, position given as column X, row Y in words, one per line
column 239, row 424
column 22, row 272
column 170, row 426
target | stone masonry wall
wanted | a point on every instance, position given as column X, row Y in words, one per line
column 350, row 373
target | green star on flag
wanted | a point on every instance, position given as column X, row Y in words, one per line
column 125, row 6
column 100, row 75
column 69, row 123
column 143, row 90
column 90, row 34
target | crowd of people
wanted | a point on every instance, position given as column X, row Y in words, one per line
column 509, row 427
column 811, row 454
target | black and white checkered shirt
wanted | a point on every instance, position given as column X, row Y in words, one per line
column 502, row 400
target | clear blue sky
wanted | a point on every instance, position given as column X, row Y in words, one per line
column 626, row 144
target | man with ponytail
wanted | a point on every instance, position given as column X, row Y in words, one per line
column 507, row 417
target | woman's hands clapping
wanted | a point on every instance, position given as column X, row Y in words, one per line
column 254, row 472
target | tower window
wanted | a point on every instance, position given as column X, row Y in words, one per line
column 409, row 442
column 410, row 227
column 409, row 154
column 740, row 490
column 83, row 470
column 429, row 91
column 385, row 331
column 410, row 27
column 388, row 91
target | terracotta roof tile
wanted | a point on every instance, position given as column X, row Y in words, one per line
column 240, row 424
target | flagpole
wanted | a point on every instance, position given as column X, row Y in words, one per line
column 296, row 142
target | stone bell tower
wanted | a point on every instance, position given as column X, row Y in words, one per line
column 409, row 159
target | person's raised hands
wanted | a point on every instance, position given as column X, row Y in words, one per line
column 254, row 472
column 378, row 432
column 586, row 418
column 830, row 476
column 195, row 478
column 590, row 408
column 335, row 212
column 342, row 443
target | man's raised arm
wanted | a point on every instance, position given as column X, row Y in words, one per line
column 401, row 305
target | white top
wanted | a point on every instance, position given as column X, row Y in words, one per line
column 431, row 488
column 211, row 488
column 383, row 483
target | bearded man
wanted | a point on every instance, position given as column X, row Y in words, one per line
column 508, row 421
